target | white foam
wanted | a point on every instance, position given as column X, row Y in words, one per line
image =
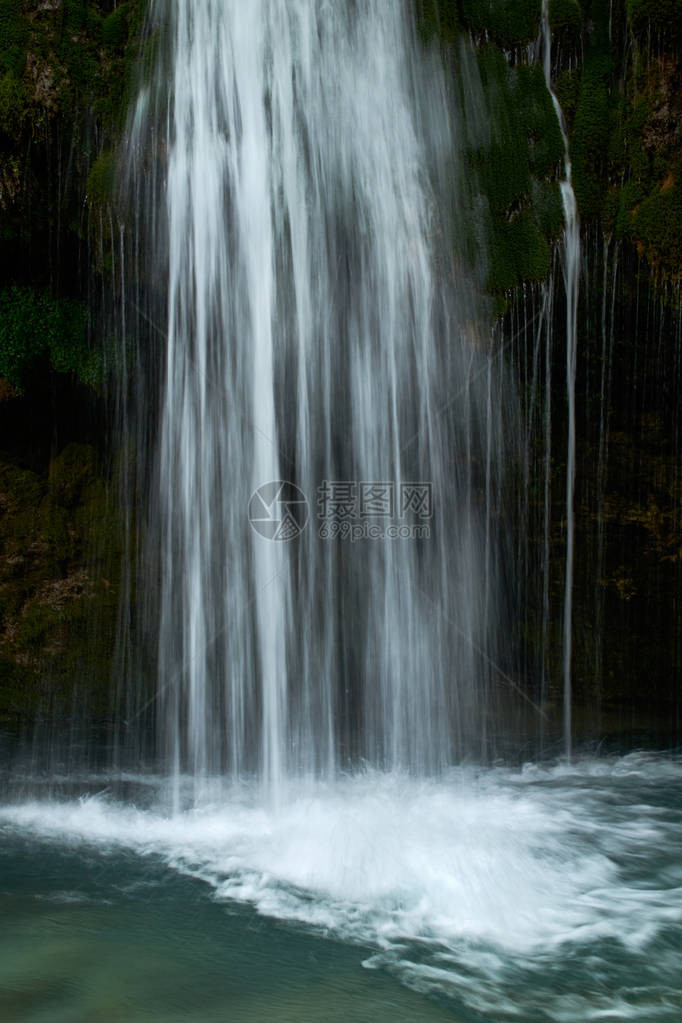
column 474, row 868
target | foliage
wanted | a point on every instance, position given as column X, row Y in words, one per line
column 663, row 17
column 34, row 324
column 622, row 117
column 115, row 27
column 517, row 171
column 549, row 207
column 100, row 183
column 14, row 36
column 567, row 90
column 437, row 18
column 656, row 225
column 64, row 74
column 566, row 22
column 590, row 137
column 508, row 22
column 12, row 104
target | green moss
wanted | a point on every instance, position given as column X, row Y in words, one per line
column 115, row 28
column 538, row 121
column 590, row 139
column 437, row 19
column 520, row 253
column 517, row 173
column 33, row 323
column 661, row 17
column 100, row 183
column 14, row 31
column 657, row 227
column 567, row 89
column 527, row 135
column 60, row 560
column 566, row 22
column 549, row 208
column 34, row 626
column 13, row 104
column 637, row 159
column 70, row 472
column 588, row 149
column 19, row 689
column 19, row 488
column 504, row 173
column 509, row 22
column 501, row 270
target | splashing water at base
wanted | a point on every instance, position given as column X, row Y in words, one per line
column 545, row 894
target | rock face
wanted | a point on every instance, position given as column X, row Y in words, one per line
column 66, row 68
column 60, row 564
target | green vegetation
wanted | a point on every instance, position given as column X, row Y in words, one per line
column 115, row 27
column 659, row 17
column 509, row 23
column 100, row 184
column 591, row 113
column 14, row 36
column 439, row 18
column 518, row 171
column 12, row 104
column 566, row 23
column 625, row 149
column 64, row 74
column 33, row 324
column 656, row 225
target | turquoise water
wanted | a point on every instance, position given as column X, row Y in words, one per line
column 538, row 894
column 91, row 935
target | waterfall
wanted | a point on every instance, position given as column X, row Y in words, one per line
column 571, row 269
column 327, row 370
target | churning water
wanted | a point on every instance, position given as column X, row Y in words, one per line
column 535, row 895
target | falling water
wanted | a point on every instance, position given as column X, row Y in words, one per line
column 571, row 268
column 321, row 330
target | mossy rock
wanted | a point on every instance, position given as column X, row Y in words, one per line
column 549, row 208
column 70, row 472
column 589, row 143
column 662, row 18
column 100, row 184
column 510, row 23
column 518, row 171
column 19, row 489
column 567, row 91
column 19, row 690
column 656, row 227
column 14, row 34
column 97, row 517
column 566, row 23
column 437, row 19
column 34, row 323
column 115, row 28
column 520, row 253
column 35, row 627
column 13, row 104
column 538, row 120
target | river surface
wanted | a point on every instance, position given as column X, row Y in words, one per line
column 533, row 894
